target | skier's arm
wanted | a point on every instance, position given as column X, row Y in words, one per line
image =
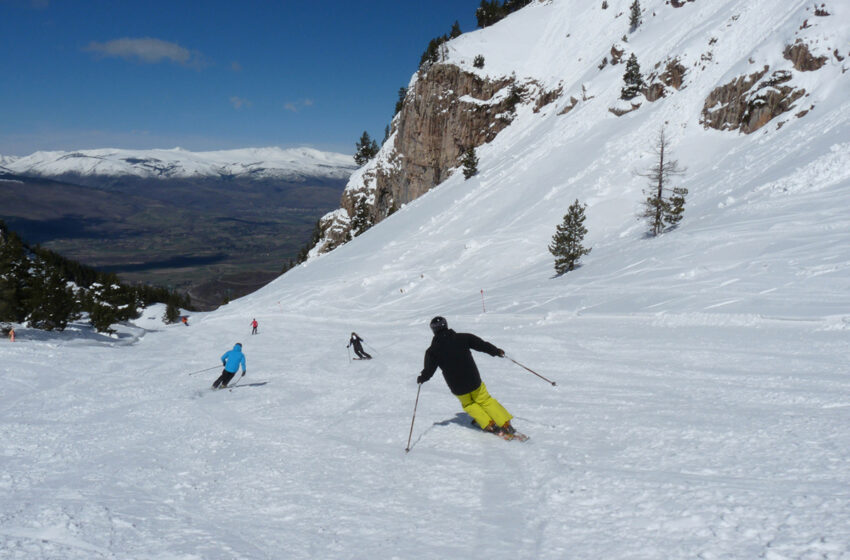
column 224, row 358
column 429, row 369
column 244, row 368
column 483, row 346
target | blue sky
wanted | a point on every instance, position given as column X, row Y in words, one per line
column 209, row 75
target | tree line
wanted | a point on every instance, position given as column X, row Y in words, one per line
column 48, row 291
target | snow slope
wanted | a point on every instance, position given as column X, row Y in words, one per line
column 255, row 163
column 702, row 397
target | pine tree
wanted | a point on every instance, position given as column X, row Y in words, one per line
column 455, row 32
column 103, row 313
column 634, row 16
column 633, row 80
column 172, row 310
column 489, row 12
column 566, row 243
column 432, row 53
column 362, row 219
column 14, row 267
column 470, row 163
column 510, row 6
column 365, row 149
column 52, row 303
column 399, row 105
column 664, row 205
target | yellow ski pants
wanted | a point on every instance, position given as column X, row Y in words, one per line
column 483, row 408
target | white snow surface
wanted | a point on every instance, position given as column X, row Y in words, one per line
column 703, row 395
column 293, row 164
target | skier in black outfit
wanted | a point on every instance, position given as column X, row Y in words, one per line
column 355, row 341
column 451, row 352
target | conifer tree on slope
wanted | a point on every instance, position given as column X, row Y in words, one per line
column 470, row 163
column 365, row 149
column 362, row 219
column 566, row 243
column 634, row 16
column 664, row 204
column 51, row 302
column 632, row 78
column 14, row 267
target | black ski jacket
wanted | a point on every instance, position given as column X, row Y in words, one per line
column 451, row 352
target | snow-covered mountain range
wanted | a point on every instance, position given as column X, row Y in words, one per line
column 250, row 163
column 703, row 393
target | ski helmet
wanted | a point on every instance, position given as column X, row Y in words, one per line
column 438, row 324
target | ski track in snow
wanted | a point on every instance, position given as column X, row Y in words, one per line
column 725, row 449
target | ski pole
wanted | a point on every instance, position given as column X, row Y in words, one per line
column 202, row 370
column 348, row 349
column 370, row 346
column 531, row 370
column 407, row 449
column 237, row 381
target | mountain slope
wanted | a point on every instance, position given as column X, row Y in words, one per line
column 253, row 163
column 702, row 389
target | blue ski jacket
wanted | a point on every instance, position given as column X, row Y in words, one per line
column 233, row 358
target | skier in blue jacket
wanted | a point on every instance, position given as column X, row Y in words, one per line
column 231, row 361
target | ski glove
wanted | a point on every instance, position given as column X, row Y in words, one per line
column 243, row 373
column 421, row 379
column 501, row 353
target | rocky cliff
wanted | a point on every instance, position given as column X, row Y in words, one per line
column 446, row 111
column 735, row 81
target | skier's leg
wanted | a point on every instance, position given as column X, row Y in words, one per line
column 491, row 406
column 474, row 409
column 227, row 376
column 218, row 381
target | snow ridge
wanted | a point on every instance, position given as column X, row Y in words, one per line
column 253, row 163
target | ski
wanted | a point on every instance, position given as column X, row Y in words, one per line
column 518, row 436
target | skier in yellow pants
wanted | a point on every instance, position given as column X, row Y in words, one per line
column 450, row 351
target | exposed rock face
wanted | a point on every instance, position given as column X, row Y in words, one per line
column 802, row 59
column 747, row 104
column 616, row 55
column 673, row 76
column 446, row 112
column 436, row 126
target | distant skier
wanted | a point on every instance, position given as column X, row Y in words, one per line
column 185, row 320
column 355, row 341
column 254, row 325
column 451, row 352
column 231, row 361
column 11, row 335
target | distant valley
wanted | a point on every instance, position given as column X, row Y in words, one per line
column 216, row 235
